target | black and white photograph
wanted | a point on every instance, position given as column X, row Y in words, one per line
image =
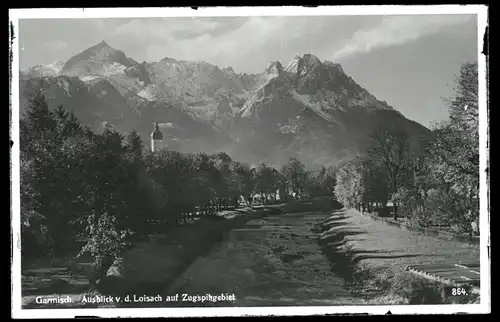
column 256, row 160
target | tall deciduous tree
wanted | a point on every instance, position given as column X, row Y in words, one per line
column 242, row 179
column 266, row 180
column 454, row 147
column 295, row 174
column 349, row 189
column 392, row 148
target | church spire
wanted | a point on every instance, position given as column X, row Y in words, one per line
column 156, row 138
column 156, row 134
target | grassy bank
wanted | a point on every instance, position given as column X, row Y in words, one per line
column 398, row 287
column 377, row 273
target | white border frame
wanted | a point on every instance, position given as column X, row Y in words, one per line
column 480, row 10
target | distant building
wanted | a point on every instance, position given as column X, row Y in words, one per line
column 156, row 138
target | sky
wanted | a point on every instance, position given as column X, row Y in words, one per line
column 407, row 61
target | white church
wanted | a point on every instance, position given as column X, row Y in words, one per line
column 156, row 138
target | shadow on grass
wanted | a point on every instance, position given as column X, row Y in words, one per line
column 333, row 239
column 393, row 287
column 336, row 236
column 356, row 259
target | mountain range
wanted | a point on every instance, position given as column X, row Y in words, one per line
column 308, row 108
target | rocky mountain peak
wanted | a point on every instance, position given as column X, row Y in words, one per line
column 332, row 65
column 92, row 59
column 274, row 68
column 229, row 70
column 100, row 49
column 310, row 108
column 102, row 44
column 168, row 60
column 302, row 64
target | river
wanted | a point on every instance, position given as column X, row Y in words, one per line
column 273, row 261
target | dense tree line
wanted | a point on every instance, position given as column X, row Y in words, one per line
column 431, row 180
column 96, row 191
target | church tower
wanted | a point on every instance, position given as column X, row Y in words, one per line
column 156, row 139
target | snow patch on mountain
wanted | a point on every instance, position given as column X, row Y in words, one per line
column 317, row 107
column 49, row 70
column 113, row 68
column 90, row 78
column 64, row 84
column 151, row 93
column 56, row 66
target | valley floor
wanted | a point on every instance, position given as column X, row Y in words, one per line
column 284, row 260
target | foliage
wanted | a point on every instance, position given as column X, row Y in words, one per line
column 376, row 182
column 349, row 189
column 321, row 183
column 454, row 147
column 463, row 106
column 391, row 147
column 295, row 174
column 68, row 172
column 266, row 180
column 105, row 240
column 433, row 182
column 242, row 179
column 96, row 190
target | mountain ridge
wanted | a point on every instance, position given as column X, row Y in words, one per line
column 307, row 108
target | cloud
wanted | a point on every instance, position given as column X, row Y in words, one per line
column 217, row 40
column 56, row 45
column 247, row 43
column 397, row 30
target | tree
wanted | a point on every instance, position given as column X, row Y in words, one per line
column 135, row 146
column 375, row 182
column 321, row 183
column 45, row 168
column 454, row 147
column 67, row 123
column 106, row 242
column 266, row 181
column 207, row 177
column 242, row 178
column 349, row 189
column 225, row 185
column 173, row 170
column 70, row 173
column 463, row 105
column 38, row 124
column 392, row 148
column 295, row 174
